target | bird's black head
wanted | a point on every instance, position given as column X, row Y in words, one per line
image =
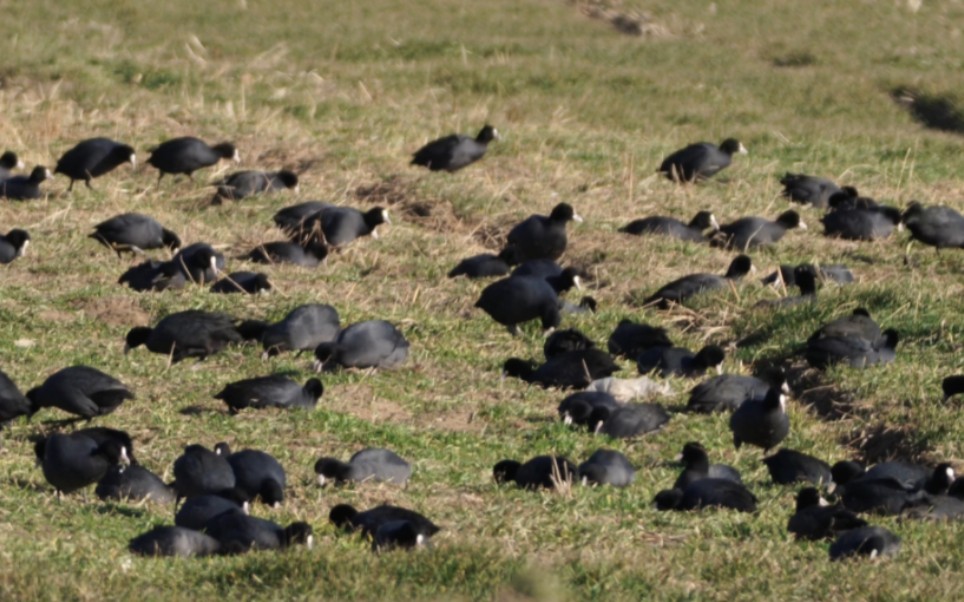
column 227, row 150
column 39, row 174
column 913, row 211
column 18, row 238
column 732, row 146
column 136, row 337
column 314, row 388
column 845, row 471
column 505, row 470
column 487, row 134
column 694, row 456
column 704, row 220
column 563, row 212
column 272, row 493
column 170, row 240
column 342, row 515
column 711, row 356
column 331, row 469
column 805, row 277
column 952, row 385
column 10, row 160
column 668, row 499
column 376, row 217
column 789, row 219
column 739, row 267
column 298, row 533
column 288, row 178
column 518, row 368
column 808, row 497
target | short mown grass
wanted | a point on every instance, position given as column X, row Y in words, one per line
column 343, row 92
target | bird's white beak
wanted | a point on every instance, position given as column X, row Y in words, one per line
column 318, row 365
column 322, row 481
column 124, row 458
column 715, row 224
column 375, row 233
column 385, row 216
column 802, row 225
column 133, row 160
column 23, row 248
column 742, row 150
column 20, row 164
column 577, row 282
column 310, row 542
column 577, row 218
column 566, row 419
column 214, row 265
column 236, row 157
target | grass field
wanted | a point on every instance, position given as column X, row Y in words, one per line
column 343, row 92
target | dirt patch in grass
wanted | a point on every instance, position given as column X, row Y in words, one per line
column 935, row 112
column 878, row 443
column 115, row 310
column 626, row 20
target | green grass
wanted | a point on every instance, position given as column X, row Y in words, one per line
column 343, row 92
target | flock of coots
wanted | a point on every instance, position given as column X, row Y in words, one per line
column 213, row 489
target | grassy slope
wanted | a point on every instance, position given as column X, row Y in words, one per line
column 345, row 91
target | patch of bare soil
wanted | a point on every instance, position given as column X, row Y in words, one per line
column 625, row 20
column 115, row 310
column 393, row 192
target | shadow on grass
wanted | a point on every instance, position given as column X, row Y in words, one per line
column 935, row 112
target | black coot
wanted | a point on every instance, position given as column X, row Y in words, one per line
column 816, row 519
column 197, row 510
column 674, row 228
column 349, row 518
column 455, row 151
column 630, row 339
column 939, row 227
column 24, row 188
column 696, row 466
column 248, row 283
column 308, row 254
column 13, row 245
column 808, row 190
column 564, row 341
column 727, row 392
column 371, row 464
column 484, row 265
column 93, row 158
column 302, row 329
column 707, row 493
column 541, row 236
column 751, row 232
column 683, row 288
column 865, row 541
column 677, row 361
column 578, row 407
column 174, row 541
column 518, row 299
column 854, row 351
column 369, row 344
column 237, row 533
column 763, row 423
column 134, row 232
column 700, row 161
column 629, row 420
column 569, row 370
column 191, row 333
column 838, row 273
column 789, row 466
column 607, row 467
column 74, row 461
column 259, row 476
column 200, row 471
column 292, row 219
column 13, row 403
column 244, row 184
column 133, row 483
column 275, row 391
column 342, row 225
column 546, row 472
column 187, row 155
column 861, row 224
column 80, row 390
